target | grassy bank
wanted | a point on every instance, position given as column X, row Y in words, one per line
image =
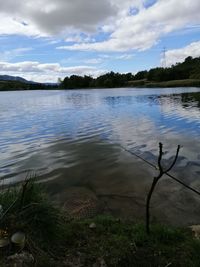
column 55, row 240
column 173, row 83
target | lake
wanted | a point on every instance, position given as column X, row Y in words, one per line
column 73, row 141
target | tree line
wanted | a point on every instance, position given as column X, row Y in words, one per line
column 108, row 80
column 189, row 69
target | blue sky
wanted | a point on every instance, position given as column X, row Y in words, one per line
column 44, row 40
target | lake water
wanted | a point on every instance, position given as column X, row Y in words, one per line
column 73, row 141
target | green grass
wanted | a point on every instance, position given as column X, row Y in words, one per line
column 53, row 239
column 175, row 83
column 127, row 244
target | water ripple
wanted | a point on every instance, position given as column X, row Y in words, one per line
column 46, row 131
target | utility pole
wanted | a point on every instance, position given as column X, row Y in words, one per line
column 163, row 59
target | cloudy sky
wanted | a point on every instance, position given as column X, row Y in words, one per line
column 44, row 40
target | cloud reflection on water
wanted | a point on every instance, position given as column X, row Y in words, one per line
column 73, row 137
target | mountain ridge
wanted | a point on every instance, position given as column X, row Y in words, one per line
column 14, row 78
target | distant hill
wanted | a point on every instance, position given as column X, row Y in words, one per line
column 10, row 83
column 13, row 78
column 9, row 78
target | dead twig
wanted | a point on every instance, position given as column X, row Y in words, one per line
column 155, row 181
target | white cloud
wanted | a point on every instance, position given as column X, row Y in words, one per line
column 179, row 55
column 49, row 17
column 126, row 30
column 125, row 56
column 103, row 58
column 79, row 38
column 144, row 29
column 33, row 70
column 10, row 54
column 93, row 61
column 10, row 25
column 44, row 17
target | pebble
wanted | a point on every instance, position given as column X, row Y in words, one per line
column 92, row 226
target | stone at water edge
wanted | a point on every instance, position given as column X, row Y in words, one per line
column 195, row 230
column 92, row 226
column 18, row 239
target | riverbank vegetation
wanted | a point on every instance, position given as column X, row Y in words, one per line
column 54, row 239
column 181, row 74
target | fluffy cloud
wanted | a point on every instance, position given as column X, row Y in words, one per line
column 93, row 61
column 179, row 55
column 103, row 58
column 12, row 25
column 128, row 24
column 143, row 30
column 79, row 38
column 36, row 71
column 45, row 17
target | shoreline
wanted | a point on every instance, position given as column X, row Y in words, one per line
column 53, row 238
column 131, row 84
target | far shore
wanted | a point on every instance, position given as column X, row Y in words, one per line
column 13, row 86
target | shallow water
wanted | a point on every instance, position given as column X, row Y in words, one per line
column 74, row 138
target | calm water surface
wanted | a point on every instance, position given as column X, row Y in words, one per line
column 73, row 139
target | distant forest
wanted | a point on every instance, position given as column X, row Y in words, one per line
column 188, row 72
column 181, row 74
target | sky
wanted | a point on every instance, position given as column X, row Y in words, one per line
column 43, row 40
